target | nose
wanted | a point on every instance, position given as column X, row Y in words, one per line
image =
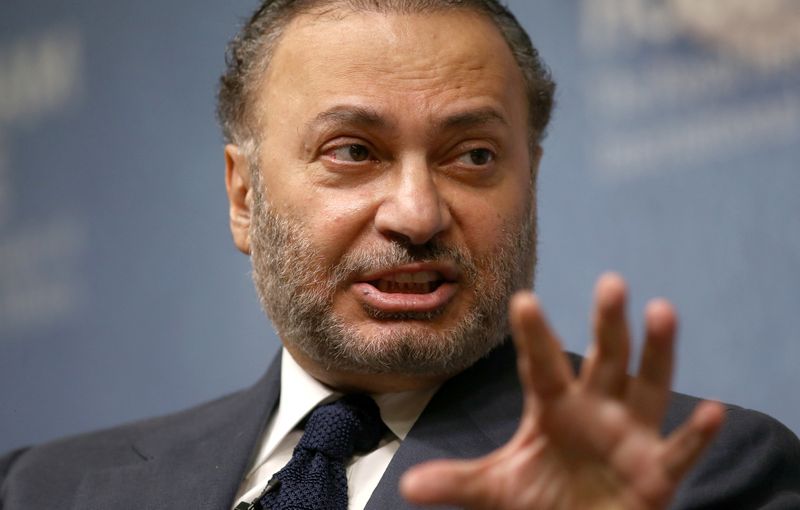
column 413, row 209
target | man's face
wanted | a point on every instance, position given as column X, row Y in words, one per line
column 394, row 211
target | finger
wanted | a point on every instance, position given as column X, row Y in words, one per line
column 649, row 392
column 543, row 368
column 606, row 368
column 684, row 446
column 444, row 482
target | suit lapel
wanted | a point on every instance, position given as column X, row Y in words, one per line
column 473, row 414
column 195, row 459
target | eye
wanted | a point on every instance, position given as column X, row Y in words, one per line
column 477, row 157
column 352, row 153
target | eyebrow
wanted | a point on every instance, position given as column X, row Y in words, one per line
column 370, row 118
column 349, row 115
column 474, row 118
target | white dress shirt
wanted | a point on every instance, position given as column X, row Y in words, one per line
column 300, row 393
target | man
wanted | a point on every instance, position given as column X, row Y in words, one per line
column 381, row 169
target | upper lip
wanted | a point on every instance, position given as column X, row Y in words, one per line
column 448, row 272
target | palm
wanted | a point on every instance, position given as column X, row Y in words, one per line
column 587, row 442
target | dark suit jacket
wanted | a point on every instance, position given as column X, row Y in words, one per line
column 195, row 459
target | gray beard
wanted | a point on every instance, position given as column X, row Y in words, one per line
column 296, row 290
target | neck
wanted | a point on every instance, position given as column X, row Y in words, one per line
column 357, row 382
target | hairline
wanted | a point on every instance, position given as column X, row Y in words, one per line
column 249, row 121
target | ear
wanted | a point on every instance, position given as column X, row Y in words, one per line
column 237, row 184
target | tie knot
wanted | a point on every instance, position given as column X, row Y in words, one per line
column 349, row 425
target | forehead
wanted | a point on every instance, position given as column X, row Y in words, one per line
column 411, row 62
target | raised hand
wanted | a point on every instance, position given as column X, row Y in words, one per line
column 590, row 442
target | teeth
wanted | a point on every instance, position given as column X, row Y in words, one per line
column 425, row 276
column 416, row 277
column 404, row 287
column 418, row 282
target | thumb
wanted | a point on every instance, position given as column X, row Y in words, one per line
column 448, row 482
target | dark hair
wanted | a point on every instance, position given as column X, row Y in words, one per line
column 250, row 53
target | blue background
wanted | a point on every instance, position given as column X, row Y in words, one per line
column 672, row 159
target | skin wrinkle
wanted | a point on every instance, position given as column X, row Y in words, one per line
column 427, row 72
column 250, row 54
column 320, row 232
column 481, row 123
column 448, row 140
column 426, row 76
column 287, row 277
column 316, row 224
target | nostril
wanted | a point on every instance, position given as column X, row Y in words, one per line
column 401, row 239
column 413, row 211
column 413, row 234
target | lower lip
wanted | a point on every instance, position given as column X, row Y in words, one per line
column 394, row 302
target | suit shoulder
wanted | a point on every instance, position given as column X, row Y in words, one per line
column 7, row 460
column 754, row 462
column 63, row 461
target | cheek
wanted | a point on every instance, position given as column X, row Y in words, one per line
column 485, row 218
column 335, row 220
column 482, row 230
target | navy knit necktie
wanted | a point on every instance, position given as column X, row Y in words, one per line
column 315, row 479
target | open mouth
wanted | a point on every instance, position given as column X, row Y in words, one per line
column 420, row 282
column 411, row 288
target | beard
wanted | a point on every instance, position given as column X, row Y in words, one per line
column 297, row 287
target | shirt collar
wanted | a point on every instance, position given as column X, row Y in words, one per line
column 300, row 393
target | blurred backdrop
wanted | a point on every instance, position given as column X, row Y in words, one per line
column 673, row 158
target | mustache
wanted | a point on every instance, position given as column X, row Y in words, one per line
column 397, row 253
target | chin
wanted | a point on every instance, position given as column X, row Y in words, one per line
column 376, row 332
